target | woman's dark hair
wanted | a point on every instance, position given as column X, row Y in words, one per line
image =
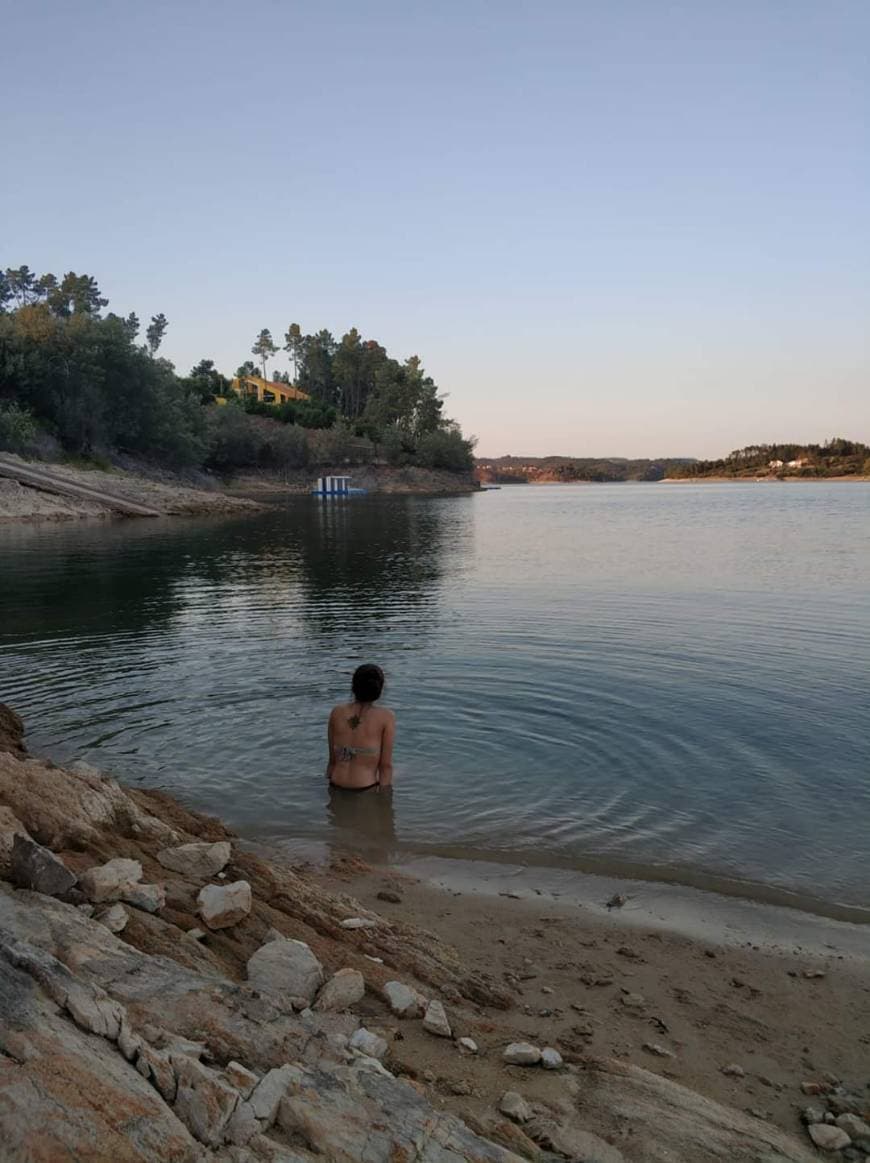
column 367, row 683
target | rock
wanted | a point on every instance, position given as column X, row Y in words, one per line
column 223, row 905
column 827, row 1137
column 269, row 1091
column 114, row 918
column 392, row 898
column 734, row 1071
column 659, row 1050
column 10, row 827
column 634, row 1001
column 344, row 989
column 37, row 868
column 515, row 1107
column 198, row 861
column 11, row 731
column 522, row 1054
column 150, row 897
column 815, row 1087
column 467, row 1044
column 359, row 923
column 813, row 1114
column 404, row 1001
column 375, row 1117
column 239, row 1076
column 204, row 1102
column 551, row 1059
column 285, row 968
column 616, row 901
column 109, row 882
column 368, row 1043
column 855, row 1127
column 156, row 1066
column 574, row 1143
column 196, row 934
column 435, row 1020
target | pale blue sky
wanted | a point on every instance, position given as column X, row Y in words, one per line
column 632, row 227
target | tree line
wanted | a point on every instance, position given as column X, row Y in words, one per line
column 836, row 457
column 78, row 379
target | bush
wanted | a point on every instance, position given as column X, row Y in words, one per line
column 233, row 439
column 446, row 448
column 19, row 431
column 397, row 447
column 284, row 448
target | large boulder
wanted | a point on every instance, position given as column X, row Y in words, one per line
column 73, row 809
column 37, row 868
column 198, row 861
column 223, row 905
column 286, row 969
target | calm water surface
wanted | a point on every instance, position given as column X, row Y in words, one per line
column 673, row 680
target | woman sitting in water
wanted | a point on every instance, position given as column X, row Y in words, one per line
column 361, row 736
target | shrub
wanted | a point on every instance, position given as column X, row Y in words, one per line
column 233, row 440
column 284, row 448
column 19, row 431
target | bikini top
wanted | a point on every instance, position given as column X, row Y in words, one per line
column 346, row 754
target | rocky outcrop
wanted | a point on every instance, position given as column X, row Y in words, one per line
column 11, row 731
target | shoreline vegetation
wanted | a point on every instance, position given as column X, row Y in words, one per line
column 169, row 992
column 78, row 389
column 838, row 459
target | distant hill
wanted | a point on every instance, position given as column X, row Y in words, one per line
column 837, row 458
column 564, row 469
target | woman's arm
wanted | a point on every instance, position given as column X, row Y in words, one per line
column 385, row 763
column 330, row 761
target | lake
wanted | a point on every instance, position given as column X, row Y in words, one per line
column 669, row 681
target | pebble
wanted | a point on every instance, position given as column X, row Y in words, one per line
column 617, row 901
column 828, row 1138
column 515, row 1107
column 547, row 989
column 522, row 1054
column 196, row 934
column 435, row 1020
column 462, row 1087
column 811, row 974
column 358, row 923
column 659, row 1051
column 468, row 1044
column 392, row 898
column 551, row 1059
column 734, row 1071
column 634, row 1001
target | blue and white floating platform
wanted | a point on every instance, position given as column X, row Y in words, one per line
column 335, row 486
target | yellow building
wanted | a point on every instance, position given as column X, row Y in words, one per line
column 266, row 391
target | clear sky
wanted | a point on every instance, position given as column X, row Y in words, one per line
column 609, row 227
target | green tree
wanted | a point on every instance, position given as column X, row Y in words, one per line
column 154, row 333
column 264, row 348
column 206, row 382
column 294, row 345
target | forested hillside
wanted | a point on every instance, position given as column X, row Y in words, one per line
column 564, row 469
column 838, row 457
column 77, row 380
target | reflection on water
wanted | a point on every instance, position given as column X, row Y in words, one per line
column 362, row 821
column 666, row 678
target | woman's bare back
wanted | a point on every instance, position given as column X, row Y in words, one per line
column 360, row 746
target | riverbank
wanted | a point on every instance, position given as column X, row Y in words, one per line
column 161, row 492
column 144, row 1018
column 765, row 480
column 376, row 478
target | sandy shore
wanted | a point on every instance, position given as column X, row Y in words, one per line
column 785, row 998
